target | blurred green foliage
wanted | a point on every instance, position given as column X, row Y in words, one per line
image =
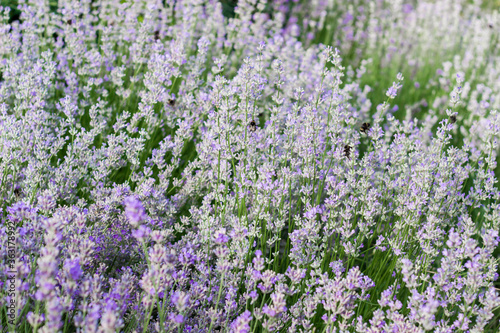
column 14, row 12
column 228, row 7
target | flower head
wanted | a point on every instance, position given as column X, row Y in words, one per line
column 134, row 211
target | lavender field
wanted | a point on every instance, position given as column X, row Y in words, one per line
column 278, row 166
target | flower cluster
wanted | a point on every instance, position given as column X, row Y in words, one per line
column 298, row 166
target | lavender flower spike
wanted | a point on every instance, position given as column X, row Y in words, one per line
column 134, row 210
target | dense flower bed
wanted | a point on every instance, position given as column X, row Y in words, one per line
column 302, row 166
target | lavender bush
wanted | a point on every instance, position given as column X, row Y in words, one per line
column 304, row 166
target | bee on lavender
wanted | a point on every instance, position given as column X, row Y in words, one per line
column 157, row 35
column 171, row 102
column 453, row 119
column 364, row 128
column 347, row 151
column 253, row 126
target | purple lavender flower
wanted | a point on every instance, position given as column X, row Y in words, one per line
column 221, row 237
column 46, row 202
column 74, row 269
column 392, row 92
column 141, row 233
column 134, row 211
column 241, row 324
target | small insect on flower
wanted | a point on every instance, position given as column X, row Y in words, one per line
column 157, row 35
column 253, row 126
column 347, row 151
column 490, row 26
column 171, row 102
column 365, row 127
column 453, row 119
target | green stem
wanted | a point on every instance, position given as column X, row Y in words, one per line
column 218, row 299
